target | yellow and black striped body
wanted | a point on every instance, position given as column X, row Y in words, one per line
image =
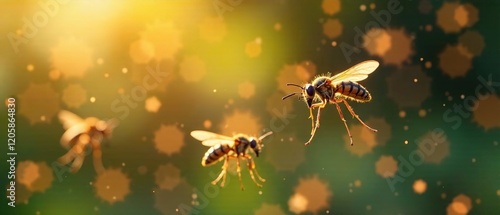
column 353, row 91
column 215, row 153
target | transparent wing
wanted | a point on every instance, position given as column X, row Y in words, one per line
column 358, row 72
column 73, row 132
column 69, row 119
column 210, row 139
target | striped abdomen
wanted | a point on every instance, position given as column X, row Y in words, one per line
column 215, row 153
column 353, row 91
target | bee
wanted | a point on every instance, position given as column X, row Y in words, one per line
column 83, row 136
column 337, row 89
column 225, row 148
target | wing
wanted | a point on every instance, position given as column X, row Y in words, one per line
column 358, row 72
column 210, row 139
column 73, row 132
column 69, row 119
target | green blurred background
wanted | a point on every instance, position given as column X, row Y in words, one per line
column 222, row 67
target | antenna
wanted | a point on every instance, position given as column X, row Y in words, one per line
column 289, row 95
column 265, row 135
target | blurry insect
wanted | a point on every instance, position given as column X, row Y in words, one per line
column 223, row 147
column 83, row 136
column 337, row 89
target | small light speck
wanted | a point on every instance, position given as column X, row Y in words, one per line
column 406, row 141
column 396, row 194
column 443, row 195
column 428, row 64
column 444, row 105
column 334, row 43
column 362, row 7
column 92, row 99
column 402, row 114
column 30, row 67
column 177, row 210
column 194, row 196
column 327, row 211
column 258, row 40
column 415, row 80
column 100, row 61
column 421, row 59
column 478, row 201
column 42, row 118
column 498, row 192
column 107, row 187
column 422, row 113
column 106, row 75
column 462, row 96
column 215, row 90
column 123, row 164
column 372, row 6
column 124, row 70
column 495, row 143
column 90, row 183
column 350, row 190
column 406, row 128
column 473, row 160
column 260, row 192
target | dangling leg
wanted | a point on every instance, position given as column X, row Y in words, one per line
column 316, row 126
column 357, row 117
column 76, row 155
column 251, row 169
column 97, row 157
column 222, row 173
column 311, row 116
column 345, row 123
column 238, row 170
column 77, row 163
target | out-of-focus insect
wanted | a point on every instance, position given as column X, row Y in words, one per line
column 337, row 89
column 223, row 147
column 83, row 136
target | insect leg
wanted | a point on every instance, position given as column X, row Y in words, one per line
column 77, row 163
column 66, row 158
column 357, row 117
column 97, row 157
column 345, row 123
column 315, row 127
column 311, row 116
column 222, row 173
column 238, row 170
column 251, row 169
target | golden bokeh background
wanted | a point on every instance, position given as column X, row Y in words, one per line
column 163, row 68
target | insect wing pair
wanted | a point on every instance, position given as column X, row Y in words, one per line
column 83, row 136
column 224, row 147
column 337, row 89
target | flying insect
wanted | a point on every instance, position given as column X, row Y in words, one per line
column 336, row 89
column 225, row 148
column 83, row 136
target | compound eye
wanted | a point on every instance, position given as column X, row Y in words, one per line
column 310, row 90
column 253, row 143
